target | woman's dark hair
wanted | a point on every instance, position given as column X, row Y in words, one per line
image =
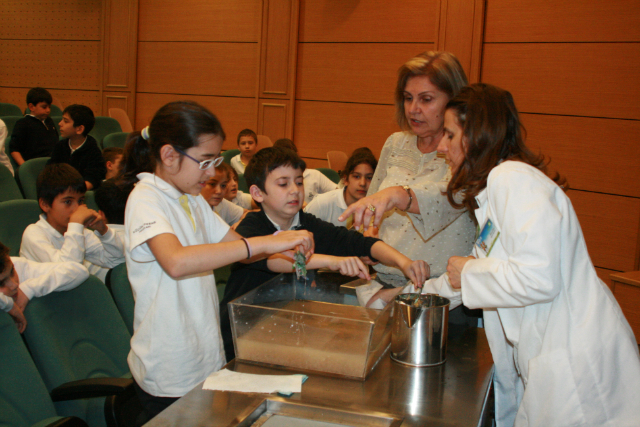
column 178, row 124
column 359, row 156
column 492, row 132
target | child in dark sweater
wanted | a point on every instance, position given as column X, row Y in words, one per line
column 274, row 176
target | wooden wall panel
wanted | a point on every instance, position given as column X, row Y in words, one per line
column 584, row 79
column 562, row 21
column 235, row 114
column 227, row 69
column 327, row 126
column 600, row 155
column 57, row 20
column 200, row 20
column 367, row 21
column 352, row 72
column 316, row 163
column 122, row 100
column 50, row 64
column 62, row 98
column 120, row 45
column 610, row 226
column 272, row 119
column 604, row 275
column 277, row 48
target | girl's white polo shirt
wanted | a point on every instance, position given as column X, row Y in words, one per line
column 176, row 342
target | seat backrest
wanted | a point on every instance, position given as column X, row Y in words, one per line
column 24, row 399
column 122, row 294
column 331, row 174
column 15, row 217
column 29, row 172
column 117, row 139
column 55, row 111
column 103, row 127
column 337, row 160
column 264, row 141
column 10, row 121
column 90, row 200
column 121, row 116
column 230, row 154
column 74, row 335
column 242, row 183
column 9, row 189
column 7, row 109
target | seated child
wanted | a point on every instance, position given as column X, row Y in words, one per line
column 21, row 280
column 275, row 178
column 35, row 134
column 4, row 159
column 238, row 197
column 113, row 161
column 111, row 199
column 248, row 145
column 315, row 182
column 356, row 176
column 214, row 191
column 63, row 232
column 78, row 148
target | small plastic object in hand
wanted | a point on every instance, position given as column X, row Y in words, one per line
column 300, row 265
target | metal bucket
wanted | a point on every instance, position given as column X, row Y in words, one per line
column 419, row 333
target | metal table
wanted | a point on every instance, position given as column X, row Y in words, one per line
column 456, row 393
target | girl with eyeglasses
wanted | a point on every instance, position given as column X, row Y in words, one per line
column 173, row 241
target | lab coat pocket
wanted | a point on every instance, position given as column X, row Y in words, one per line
column 550, row 397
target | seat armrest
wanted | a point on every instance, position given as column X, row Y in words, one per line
column 68, row 422
column 92, row 387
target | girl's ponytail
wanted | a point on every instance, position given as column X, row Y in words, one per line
column 138, row 157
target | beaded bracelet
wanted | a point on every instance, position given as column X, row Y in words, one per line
column 246, row 242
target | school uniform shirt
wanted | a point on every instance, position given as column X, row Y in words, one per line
column 229, row 212
column 329, row 206
column 6, row 303
column 564, row 353
column 176, row 342
column 315, row 182
column 43, row 243
column 243, row 200
column 86, row 159
column 38, row 279
column 4, row 158
column 237, row 164
column 33, row 138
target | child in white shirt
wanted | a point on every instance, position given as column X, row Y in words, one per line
column 235, row 196
column 173, row 243
column 214, row 191
column 248, row 146
column 21, row 280
column 68, row 230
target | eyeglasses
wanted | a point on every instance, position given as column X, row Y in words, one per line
column 205, row 164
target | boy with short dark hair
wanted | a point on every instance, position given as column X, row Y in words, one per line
column 63, row 232
column 248, row 146
column 275, row 177
column 22, row 279
column 78, row 148
column 113, row 161
column 35, row 134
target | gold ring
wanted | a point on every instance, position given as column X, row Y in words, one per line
column 371, row 208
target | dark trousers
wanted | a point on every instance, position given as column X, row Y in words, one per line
column 152, row 405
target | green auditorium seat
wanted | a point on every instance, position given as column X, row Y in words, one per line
column 103, row 127
column 28, row 173
column 229, row 154
column 24, row 399
column 118, row 284
column 117, row 139
column 331, row 174
column 15, row 216
column 9, row 189
column 78, row 337
column 10, row 122
column 242, row 183
column 7, row 109
column 90, row 200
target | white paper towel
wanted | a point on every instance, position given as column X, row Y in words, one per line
column 226, row 380
column 365, row 292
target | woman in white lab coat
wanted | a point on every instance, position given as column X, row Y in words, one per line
column 564, row 352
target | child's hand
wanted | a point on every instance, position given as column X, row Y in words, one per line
column 99, row 223
column 386, row 295
column 417, row 271
column 18, row 317
column 83, row 215
column 349, row 266
column 20, row 299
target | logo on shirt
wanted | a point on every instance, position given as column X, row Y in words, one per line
column 143, row 227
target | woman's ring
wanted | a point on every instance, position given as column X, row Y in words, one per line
column 371, row 208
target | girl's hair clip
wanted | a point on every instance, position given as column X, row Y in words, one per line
column 145, row 133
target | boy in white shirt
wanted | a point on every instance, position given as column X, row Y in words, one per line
column 356, row 176
column 214, row 191
column 64, row 231
column 248, row 146
column 21, row 280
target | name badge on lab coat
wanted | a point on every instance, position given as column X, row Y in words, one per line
column 487, row 237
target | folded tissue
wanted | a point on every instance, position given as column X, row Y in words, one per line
column 226, row 380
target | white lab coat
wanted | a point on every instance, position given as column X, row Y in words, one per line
column 563, row 351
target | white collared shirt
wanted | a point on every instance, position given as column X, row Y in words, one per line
column 75, row 149
column 329, row 206
column 294, row 224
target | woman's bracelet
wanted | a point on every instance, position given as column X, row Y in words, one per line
column 406, row 187
column 246, row 242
